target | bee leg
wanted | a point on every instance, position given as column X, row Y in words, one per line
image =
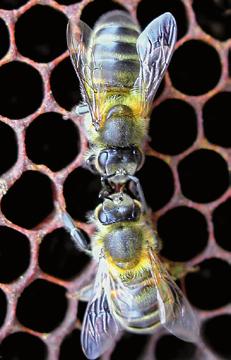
column 77, row 110
column 106, row 190
column 76, row 234
column 83, row 294
column 90, row 164
column 140, row 193
column 178, row 270
column 81, row 109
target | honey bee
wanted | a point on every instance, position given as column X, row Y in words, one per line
column 132, row 289
column 119, row 71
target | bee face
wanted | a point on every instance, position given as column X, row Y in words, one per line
column 118, row 208
column 117, row 163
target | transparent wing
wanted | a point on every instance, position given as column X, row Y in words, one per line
column 155, row 47
column 135, row 304
column 79, row 37
column 175, row 312
column 99, row 325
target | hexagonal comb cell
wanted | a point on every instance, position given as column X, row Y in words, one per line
column 32, row 192
column 216, row 127
column 185, row 177
column 183, row 232
column 199, row 76
column 16, row 263
column 66, row 92
column 42, row 306
column 215, row 335
column 214, row 17
column 173, row 127
column 158, row 185
column 59, row 256
column 204, row 286
column 79, row 203
column 46, row 138
column 23, row 346
column 198, row 176
column 23, row 90
column 48, row 27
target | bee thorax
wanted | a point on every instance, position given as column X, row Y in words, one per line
column 119, row 127
column 124, row 246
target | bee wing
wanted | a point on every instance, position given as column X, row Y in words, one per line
column 79, row 44
column 99, row 325
column 155, row 47
column 175, row 312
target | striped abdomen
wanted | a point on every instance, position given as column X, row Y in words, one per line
column 113, row 46
column 142, row 315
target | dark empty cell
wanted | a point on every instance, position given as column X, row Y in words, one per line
column 48, row 27
column 5, row 42
column 157, row 182
column 216, row 333
column 65, row 85
column 229, row 62
column 221, row 222
column 22, row 346
column 135, row 344
column 147, row 12
column 3, row 307
column 173, row 127
column 23, row 90
column 8, row 147
column 169, row 347
column 14, row 254
column 216, row 120
column 214, row 17
column 183, row 232
column 195, row 68
column 52, row 141
column 71, row 348
column 203, row 175
column 29, row 201
column 208, row 288
column 42, row 306
column 81, row 190
column 59, row 256
column 95, row 9
column 12, row 4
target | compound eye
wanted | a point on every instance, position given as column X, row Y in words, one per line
column 102, row 159
column 90, row 162
column 102, row 217
column 139, row 158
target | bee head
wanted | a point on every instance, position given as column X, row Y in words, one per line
column 119, row 129
column 118, row 207
column 118, row 163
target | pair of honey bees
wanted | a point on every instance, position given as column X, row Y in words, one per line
column 119, row 71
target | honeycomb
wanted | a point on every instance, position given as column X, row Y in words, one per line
column 185, row 178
